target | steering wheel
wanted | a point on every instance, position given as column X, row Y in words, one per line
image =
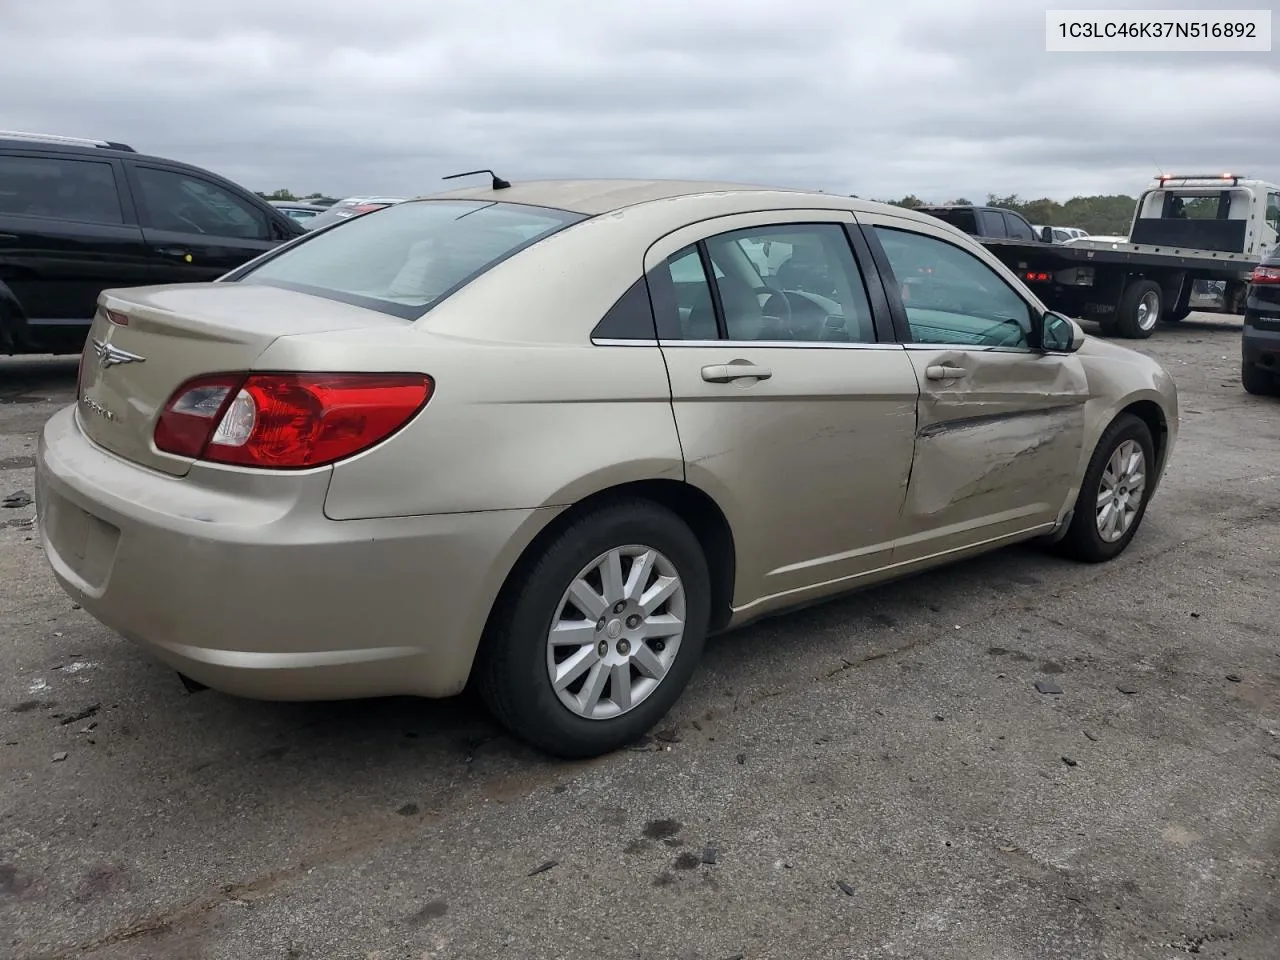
column 774, row 295
column 808, row 320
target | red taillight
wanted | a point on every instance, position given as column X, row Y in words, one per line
column 1265, row 275
column 1039, row 277
column 367, row 207
column 287, row 421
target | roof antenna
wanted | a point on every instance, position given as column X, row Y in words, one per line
column 498, row 182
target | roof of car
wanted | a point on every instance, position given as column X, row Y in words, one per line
column 54, row 146
column 99, row 153
column 594, row 197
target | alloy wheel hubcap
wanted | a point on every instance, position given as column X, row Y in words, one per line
column 1148, row 311
column 616, row 632
column 1120, row 492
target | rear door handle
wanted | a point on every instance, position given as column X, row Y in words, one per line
column 737, row 370
column 943, row 371
column 180, row 252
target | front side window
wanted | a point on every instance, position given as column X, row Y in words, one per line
column 404, row 258
column 64, row 189
column 951, row 297
column 774, row 283
column 1273, row 210
column 1018, row 228
column 183, row 203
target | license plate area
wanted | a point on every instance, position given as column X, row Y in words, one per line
column 84, row 543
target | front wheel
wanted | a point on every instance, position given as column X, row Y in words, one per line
column 1113, row 497
column 598, row 636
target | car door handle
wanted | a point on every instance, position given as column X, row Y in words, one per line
column 943, row 371
column 8, row 238
column 737, row 370
column 180, row 252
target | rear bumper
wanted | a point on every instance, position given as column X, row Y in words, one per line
column 254, row 592
column 1260, row 348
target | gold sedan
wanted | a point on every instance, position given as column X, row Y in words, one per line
column 550, row 436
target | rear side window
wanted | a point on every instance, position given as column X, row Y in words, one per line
column 405, row 258
column 83, row 190
column 991, row 223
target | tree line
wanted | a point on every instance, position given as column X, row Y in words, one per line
column 289, row 195
column 1104, row 215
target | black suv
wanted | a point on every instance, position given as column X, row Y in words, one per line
column 80, row 216
column 1260, row 346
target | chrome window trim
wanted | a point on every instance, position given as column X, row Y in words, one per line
column 817, row 344
column 781, row 344
column 974, row 347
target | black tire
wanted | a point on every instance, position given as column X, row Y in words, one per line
column 1082, row 541
column 1130, row 322
column 512, row 667
column 1259, row 382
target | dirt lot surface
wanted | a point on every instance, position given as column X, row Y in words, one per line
column 873, row 778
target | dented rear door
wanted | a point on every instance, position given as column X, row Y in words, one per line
column 999, row 425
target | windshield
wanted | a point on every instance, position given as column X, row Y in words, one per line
column 405, row 258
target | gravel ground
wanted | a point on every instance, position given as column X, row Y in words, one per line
column 877, row 777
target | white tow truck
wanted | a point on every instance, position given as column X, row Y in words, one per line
column 1187, row 232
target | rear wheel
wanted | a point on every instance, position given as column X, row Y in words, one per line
column 1113, row 497
column 1139, row 309
column 1260, row 382
column 596, row 639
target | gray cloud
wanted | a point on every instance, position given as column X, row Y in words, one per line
column 921, row 96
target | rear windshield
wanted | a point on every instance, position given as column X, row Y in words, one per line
column 405, row 258
column 962, row 219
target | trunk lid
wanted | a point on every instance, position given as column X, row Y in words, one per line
column 172, row 333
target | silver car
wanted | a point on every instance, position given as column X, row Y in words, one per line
column 549, row 437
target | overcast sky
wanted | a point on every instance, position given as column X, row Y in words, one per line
column 941, row 98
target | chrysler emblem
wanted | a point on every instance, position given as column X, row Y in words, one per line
column 109, row 355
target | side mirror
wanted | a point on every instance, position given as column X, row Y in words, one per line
column 1046, row 234
column 1060, row 334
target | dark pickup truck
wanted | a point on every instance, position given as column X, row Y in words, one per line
column 1184, row 230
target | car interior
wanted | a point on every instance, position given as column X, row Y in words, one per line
column 805, row 297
